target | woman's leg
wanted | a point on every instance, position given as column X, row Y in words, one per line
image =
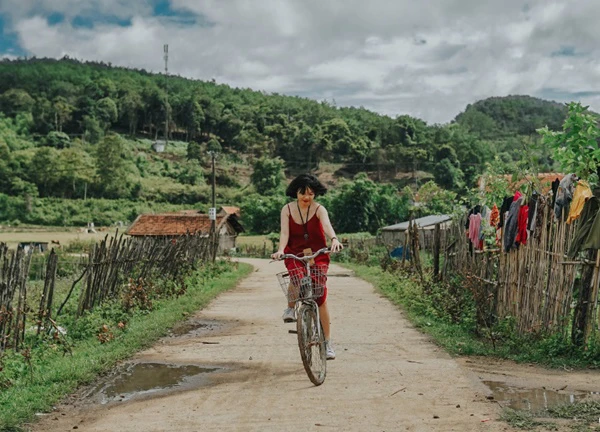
column 324, row 313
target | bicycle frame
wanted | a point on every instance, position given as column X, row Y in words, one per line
column 311, row 335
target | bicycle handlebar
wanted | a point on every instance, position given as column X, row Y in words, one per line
column 306, row 257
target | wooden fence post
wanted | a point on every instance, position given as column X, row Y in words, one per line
column 581, row 316
column 593, row 301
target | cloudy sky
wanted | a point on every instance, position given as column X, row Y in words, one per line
column 425, row 58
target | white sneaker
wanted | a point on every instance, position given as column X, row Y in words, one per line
column 289, row 315
column 329, row 350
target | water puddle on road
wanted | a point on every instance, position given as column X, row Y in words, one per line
column 533, row 400
column 195, row 327
column 139, row 379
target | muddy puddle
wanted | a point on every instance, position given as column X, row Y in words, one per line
column 143, row 379
column 196, row 327
column 534, row 400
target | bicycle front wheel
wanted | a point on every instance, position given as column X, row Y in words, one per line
column 311, row 342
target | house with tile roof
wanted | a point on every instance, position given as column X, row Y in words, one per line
column 175, row 224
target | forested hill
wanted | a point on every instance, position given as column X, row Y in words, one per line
column 58, row 120
column 500, row 117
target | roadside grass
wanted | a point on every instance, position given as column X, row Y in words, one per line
column 30, row 388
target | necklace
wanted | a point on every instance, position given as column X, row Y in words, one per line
column 302, row 219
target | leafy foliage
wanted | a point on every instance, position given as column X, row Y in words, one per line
column 577, row 146
column 267, row 175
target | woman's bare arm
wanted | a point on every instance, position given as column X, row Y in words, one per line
column 284, row 234
column 323, row 216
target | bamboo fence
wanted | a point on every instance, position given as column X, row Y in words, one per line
column 534, row 284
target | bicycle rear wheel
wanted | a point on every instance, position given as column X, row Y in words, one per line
column 311, row 342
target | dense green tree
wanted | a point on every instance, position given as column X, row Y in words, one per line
column 577, row 145
column 58, row 140
column 15, row 101
column 106, row 112
column 63, row 111
column 45, row 170
column 93, row 132
column 130, row 106
column 370, row 206
column 194, row 151
column 78, row 171
column 267, row 175
column 111, row 162
column 6, row 174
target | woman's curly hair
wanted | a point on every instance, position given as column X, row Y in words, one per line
column 302, row 182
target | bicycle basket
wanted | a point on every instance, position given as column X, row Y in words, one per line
column 296, row 284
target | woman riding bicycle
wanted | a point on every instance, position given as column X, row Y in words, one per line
column 304, row 224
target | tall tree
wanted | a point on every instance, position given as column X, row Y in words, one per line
column 111, row 161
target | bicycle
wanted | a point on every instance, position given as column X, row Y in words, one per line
column 303, row 285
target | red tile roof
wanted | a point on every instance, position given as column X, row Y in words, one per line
column 171, row 224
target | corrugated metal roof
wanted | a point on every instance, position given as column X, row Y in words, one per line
column 421, row 222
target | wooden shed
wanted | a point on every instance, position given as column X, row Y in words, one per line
column 176, row 224
column 393, row 235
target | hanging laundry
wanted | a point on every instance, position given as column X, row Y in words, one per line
column 533, row 203
column 580, row 196
column 589, row 215
column 564, row 195
column 474, row 210
column 593, row 238
column 555, row 184
column 504, row 209
column 511, row 226
column 521, row 237
column 474, row 228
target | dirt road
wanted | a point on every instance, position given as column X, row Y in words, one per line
column 387, row 375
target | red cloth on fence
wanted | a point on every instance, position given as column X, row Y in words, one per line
column 521, row 237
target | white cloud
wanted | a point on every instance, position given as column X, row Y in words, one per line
column 429, row 58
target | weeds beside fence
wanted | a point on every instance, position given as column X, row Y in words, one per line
column 111, row 267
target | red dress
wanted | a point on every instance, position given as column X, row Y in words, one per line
column 297, row 243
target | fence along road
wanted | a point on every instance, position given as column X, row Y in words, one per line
column 387, row 375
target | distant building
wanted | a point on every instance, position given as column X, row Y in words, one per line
column 180, row 223
column 394, row 235
column 159, row 146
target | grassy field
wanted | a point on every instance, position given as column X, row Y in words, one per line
column 252, row 240
column 64, row 235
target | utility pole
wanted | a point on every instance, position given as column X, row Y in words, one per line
column 214, row 205
column 166, row 57
column 212, row 212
